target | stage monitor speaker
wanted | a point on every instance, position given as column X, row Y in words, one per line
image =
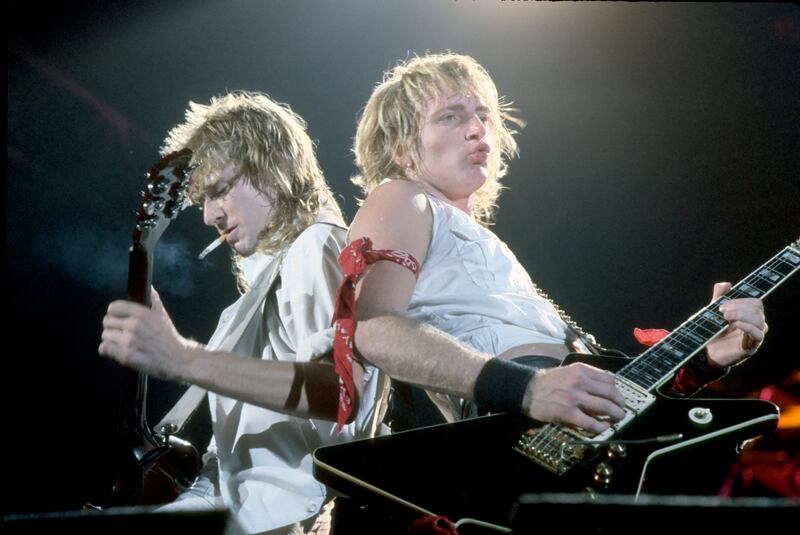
column 124, row 521
column 623, row 514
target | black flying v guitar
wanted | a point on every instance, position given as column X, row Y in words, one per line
column 476, row 469
column 151, row 468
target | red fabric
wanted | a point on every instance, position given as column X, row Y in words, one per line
column 354, row 260
column 687, row 382
column 433, row 525
column 649, row 337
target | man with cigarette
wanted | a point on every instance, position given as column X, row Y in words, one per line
column 272, row 389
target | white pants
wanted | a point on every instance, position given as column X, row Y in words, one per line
column 202, row 497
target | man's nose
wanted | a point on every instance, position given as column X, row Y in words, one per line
column 212, row 212
column 477, row 130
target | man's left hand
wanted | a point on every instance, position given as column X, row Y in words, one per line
column 747, row 327
column 144, row 338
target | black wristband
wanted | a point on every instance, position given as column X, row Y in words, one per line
column 501, row 385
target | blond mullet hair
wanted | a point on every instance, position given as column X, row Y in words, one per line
column 390, row 125
column 269, row 146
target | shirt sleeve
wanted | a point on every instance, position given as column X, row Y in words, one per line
column 309, row 277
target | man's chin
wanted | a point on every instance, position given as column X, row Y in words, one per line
column 244, row 252
column 242, row 249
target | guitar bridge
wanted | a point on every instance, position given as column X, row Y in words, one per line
column 559, row 448
column 553, row 447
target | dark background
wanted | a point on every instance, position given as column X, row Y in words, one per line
column 661, row 155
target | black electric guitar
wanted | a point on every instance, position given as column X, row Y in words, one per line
column 476, row 469
column 151, row 468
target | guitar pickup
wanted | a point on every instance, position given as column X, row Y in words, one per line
column 636, row 401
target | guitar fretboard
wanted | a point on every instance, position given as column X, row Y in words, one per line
column 658, row 363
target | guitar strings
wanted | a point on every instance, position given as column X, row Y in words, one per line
column 546, row 436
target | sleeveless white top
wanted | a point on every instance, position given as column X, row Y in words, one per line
column 472, row 287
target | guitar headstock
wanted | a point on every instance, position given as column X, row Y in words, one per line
column 795, row 245
column 164, row 196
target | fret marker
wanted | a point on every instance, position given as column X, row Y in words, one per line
column 769, row 274
column 794, row 259
column 713, row 318
column 694, row 337
column 672, row 349
column 750, row 290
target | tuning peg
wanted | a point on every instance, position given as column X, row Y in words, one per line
column 146, row 224
column 172, row 209
column 186, row 171
column 158, row 187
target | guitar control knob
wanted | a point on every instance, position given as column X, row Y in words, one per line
column 617, row 451
column 603, row 473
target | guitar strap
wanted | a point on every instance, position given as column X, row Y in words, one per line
column 177, row 417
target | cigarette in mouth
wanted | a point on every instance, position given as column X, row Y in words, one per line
column 211, row 246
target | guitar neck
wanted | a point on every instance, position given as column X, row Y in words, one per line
column 133, row 402
column 140, row 274
column 658, row 364
column 163, row 199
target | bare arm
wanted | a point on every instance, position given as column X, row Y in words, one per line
column 397, row 216
column 146, row 339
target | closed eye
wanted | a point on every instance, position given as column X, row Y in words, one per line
column 220, row 190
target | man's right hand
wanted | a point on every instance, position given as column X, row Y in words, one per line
column 577, row 395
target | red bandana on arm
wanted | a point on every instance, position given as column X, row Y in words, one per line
column 354, row 260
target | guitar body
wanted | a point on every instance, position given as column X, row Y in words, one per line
column 471, row 469
column 158, row 476
column 150, row 468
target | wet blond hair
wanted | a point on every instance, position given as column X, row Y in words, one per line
column 270, row 148
column 390, row 125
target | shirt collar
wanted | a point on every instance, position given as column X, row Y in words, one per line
column 251, row 266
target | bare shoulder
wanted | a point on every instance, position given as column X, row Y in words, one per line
column 395, row 215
